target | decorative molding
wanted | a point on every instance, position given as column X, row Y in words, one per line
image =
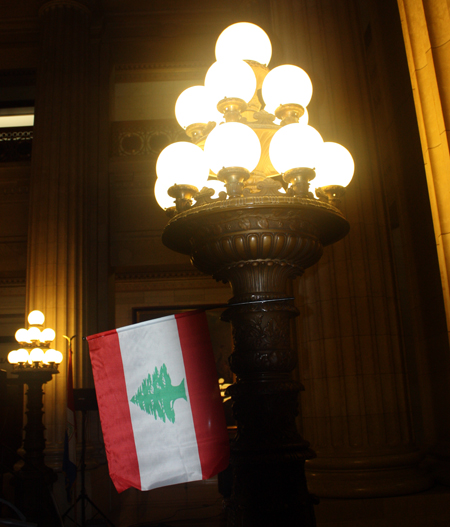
column 52, row 4
column 124, row 182
column 12, row 281
column 14, row 188
column 138, row 138
column 15, row 144
column 158, row 275
column 143, row 72
column 164, row 66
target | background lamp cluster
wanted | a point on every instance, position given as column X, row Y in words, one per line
column 35, row 351
column 247, row 125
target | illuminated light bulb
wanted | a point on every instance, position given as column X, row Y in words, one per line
column 335, row 166
column 182, row 164
column 304, row 119
column 216, row 185
column 230, row 79
column 12, row 357
column 286, row 85
column 47, row 335
column 34, row 334
column 162, row 198
column 194, row 105
column 22, row 356
column 36, row 318
column 21, row 335
column 295, row 146
column 232, row 145
column 36, row 355
column 244, row 41
column 53, row 356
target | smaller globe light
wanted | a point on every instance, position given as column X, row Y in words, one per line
column 232, row 145
column 195, row 106
column 36, row 318
column 34, row 334
column 244, row 41
column 52, row 356
column 335, row 166
column 182, row 163
column 47, row 335
column 216, row 185
column 162, row 198
column 36, row 355
column 286, row 84
column 22, row 356
column 21, row 336
column 12, row 357
column 228, row 79
column 295, row 146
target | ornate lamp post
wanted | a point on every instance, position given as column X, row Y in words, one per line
column 35, row 363
column 264, row 228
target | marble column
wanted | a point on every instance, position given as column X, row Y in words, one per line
column 355, row 407
column 426, row 27
column 55, row 269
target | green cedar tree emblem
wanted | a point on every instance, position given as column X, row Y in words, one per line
column 156, row 395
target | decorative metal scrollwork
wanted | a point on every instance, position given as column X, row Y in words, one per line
column 137, row 138
column 15, row 144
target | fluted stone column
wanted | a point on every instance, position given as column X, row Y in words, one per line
column 55, row 270
column 355, row 407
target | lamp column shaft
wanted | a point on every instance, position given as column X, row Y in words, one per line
column 33, row 481
column 34, row 442
column 268, row 455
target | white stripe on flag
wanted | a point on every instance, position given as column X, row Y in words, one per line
column 148, row 346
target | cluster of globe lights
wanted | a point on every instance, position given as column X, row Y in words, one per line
column 248, row 124
column 35, row 352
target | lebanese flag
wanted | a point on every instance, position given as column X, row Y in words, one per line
column 159, row 402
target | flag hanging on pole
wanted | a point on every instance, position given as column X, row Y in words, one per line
column 70, row 439
column 159, row 402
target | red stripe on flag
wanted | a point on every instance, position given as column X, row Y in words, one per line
column 204, row 394
column 109, row 378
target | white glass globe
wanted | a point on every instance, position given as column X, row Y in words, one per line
column 162, row 198
column 47, row 335
column 335, row 166
column 21, row 335
column 34, row 334
column 194, row 105
column 232, row 145
column 36, row 355
column 12, row 357
column 52, row 355
column 36, row 318
column 182, row 163
column 304, row 119
column 230, row 78
column 22, row 356
column 244, row 41
column 295, row 146
column 286, row 85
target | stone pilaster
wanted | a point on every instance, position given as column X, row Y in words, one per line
column 55, row 269
column 426, row 26
column 355, row 408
